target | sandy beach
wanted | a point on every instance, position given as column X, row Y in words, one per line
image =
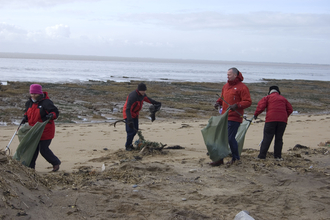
column 98, row 179
column 173, row 184
column 77, row 144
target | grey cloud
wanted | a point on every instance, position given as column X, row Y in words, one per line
column 215, row 20
column 9, row 28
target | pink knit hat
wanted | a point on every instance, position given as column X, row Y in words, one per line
column 35, row 89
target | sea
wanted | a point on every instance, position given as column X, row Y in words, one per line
column 45, row 68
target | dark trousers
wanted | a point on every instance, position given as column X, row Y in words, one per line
column 131, row 132
column 272, row 128
column 232, row 131
column 43, row 147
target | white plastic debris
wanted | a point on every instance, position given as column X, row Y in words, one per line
column 242, row 215
column 103, row 167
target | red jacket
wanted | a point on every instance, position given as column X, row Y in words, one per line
column 37, row 111
column 134, row 103
column 278, row 108
column 235, row 92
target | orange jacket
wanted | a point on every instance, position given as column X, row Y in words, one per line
column 235, row 92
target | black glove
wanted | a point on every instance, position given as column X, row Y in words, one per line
column 153, row 109
column 157, row 106
column 153, row 116
column 131, row 125
column 50, row 116
column 233, row 107
column 255, row 117
column 217, row 105
column 25, row 119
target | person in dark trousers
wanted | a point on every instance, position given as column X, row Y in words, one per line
column 237, row 95
column 40, row 108
column 132, row 107
column 278, row 109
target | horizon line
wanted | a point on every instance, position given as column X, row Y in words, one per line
column 19, row 55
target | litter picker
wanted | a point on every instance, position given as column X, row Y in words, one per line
column 12, row 138
column 233, row 109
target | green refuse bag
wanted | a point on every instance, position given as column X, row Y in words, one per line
column 240, row 136
column 215, row 136
column 29, row 138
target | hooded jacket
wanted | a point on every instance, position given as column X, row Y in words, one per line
column 235, row 92
column 134, row 103
column 37, row 111
column 277, row 108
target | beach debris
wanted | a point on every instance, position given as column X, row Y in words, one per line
column 299, row 146
column 103, row 167
column 175, row 147
column 134, row 186
column 192, row 171
column 147, row 146
column 3, row 158
column 185, row 126
column 324, row 144
column 184, row 199
column 243, row 215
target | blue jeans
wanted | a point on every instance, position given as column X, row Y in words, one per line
column 232, row 131
column 131, row 132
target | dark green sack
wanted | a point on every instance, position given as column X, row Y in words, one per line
column 29, row 138
column 215, row 136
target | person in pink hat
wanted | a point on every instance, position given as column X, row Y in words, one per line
column 40, row 108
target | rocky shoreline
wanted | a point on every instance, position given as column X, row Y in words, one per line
column 96, row 101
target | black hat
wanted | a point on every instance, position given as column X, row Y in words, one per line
column 142, row 87
column 274, row 88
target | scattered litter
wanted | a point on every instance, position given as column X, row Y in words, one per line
column 243, row 215
column 311, row 167
column 184, row 199
column 134, row 186
column 192, row 171
column 299, row 146
column 175, row 147
column 103, row 167
column 135, row 190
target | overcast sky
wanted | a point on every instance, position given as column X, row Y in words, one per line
column 293, row 31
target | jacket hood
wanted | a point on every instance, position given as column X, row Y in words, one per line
column 44, row 96
column 239, row 78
